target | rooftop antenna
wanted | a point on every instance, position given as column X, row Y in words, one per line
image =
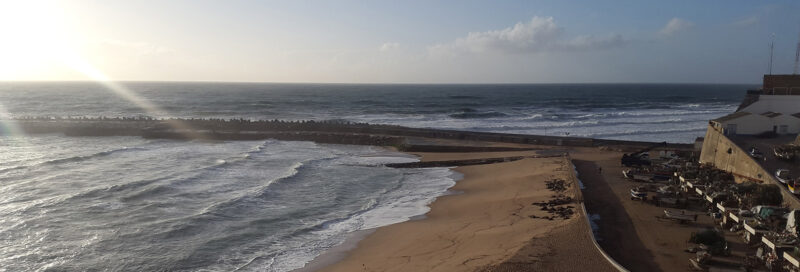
column 771, row 48
column 797, row 57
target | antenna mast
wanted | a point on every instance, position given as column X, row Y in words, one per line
column 797, row 57
column 771, row 48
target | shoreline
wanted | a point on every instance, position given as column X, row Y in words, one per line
column 338, row 253
column 474, row 221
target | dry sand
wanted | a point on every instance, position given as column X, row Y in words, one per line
column 486, row 227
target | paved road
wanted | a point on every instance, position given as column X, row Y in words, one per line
column 629, row 229
column 770, row 163
column 617, row 231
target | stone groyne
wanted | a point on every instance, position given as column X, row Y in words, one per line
column 313, row 136
column 340, row 132
column 453, row 148
column 454, row 163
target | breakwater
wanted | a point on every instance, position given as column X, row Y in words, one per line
column 337, row 132
column 453, row 163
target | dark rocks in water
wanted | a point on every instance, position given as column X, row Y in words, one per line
column 334, row 131
column 452, row 163
column 460, row 148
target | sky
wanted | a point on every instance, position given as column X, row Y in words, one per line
column 410, row 41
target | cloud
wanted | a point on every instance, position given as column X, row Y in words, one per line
column 675, row 25
column 389, row 46
column 537, row 35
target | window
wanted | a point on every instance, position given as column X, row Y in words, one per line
column 783, row 129
column 730, row 129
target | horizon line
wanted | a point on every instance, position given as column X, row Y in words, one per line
column 371, row 83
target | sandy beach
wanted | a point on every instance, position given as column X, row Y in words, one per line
column 487, row 226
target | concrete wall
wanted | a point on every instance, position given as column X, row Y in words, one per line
column 792, row 122
column 750, row 125
column 726, row 155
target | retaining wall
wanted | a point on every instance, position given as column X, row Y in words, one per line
column 573, row 174
column 724, row 154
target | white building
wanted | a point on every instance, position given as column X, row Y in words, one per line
column 774, row 108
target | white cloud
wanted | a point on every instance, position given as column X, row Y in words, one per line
column 675, row 25
column 389, row 46
column 538, row 34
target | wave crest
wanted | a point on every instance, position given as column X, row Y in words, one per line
column 477, row 115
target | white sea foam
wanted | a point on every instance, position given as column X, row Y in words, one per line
column 252, row 205
column 417, row 189
column 273, row 205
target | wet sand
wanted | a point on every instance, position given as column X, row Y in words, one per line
column 486, row 227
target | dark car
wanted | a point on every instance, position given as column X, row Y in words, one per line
column 755, row 153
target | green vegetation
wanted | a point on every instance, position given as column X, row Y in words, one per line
column 711, row 238
column 759, row 194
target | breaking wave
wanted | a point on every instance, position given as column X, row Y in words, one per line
column 72, row 159
column 91, row 156
column 477, row 115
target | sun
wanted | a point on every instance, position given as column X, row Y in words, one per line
column 35, row 38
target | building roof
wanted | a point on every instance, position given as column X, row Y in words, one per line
column 771, row 114
column 785, row 104
column 731, row 116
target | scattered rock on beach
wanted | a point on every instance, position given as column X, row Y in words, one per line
column 557, row 185
column 555, row 207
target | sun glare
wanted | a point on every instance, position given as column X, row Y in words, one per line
column 7, row 126
column 35, row 38
column 39, row 42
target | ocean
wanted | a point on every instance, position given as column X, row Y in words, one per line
column 133, row 204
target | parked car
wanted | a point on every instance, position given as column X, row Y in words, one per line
column 755, row 153
column 783, row 175
column 784, row 152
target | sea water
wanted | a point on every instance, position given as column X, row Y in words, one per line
column 133, row 204
column 647, row 112
column 130, row 204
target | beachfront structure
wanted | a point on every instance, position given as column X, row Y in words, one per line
column 773, row 108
